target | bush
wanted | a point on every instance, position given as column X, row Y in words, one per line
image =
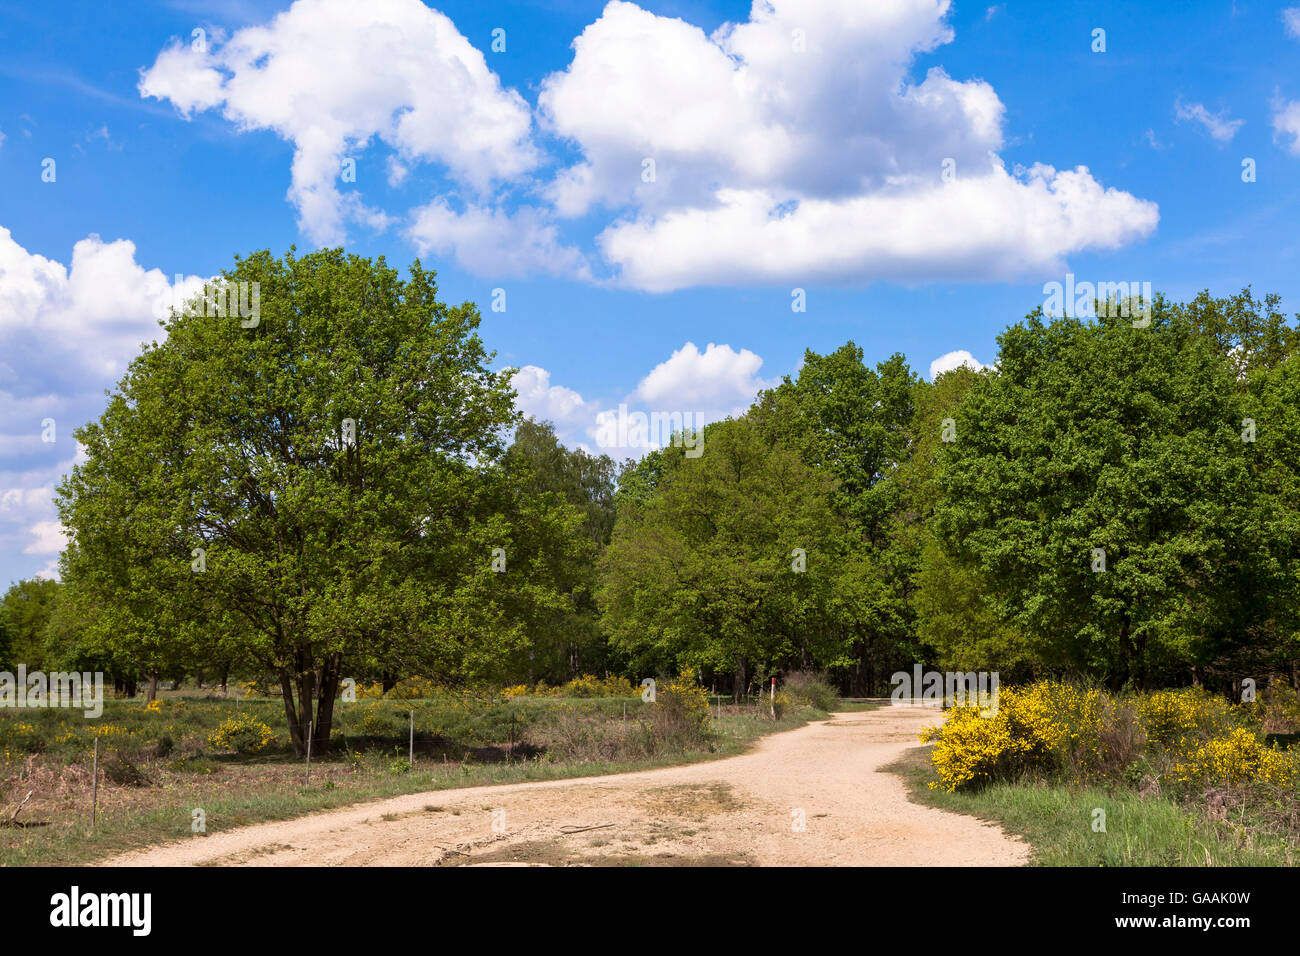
column 681, row 712
column 242, row 734
column 1188, row 738
column 811, row 689
column 588, row 685
column 586, row 735
column 374, row 722
column 122, row 771
column 1176, row 719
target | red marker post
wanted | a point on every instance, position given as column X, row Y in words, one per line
column 772, row 698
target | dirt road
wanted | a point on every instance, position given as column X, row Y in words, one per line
column 741, row 810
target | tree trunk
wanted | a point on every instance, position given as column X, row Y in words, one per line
column 303, row 690
column 153, row 687
column 225, row 674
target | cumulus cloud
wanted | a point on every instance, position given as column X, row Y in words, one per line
column 538, row 398
column 951, row 360
column 718, row 378
column 999, row 225
column 797, row 146
column 330, row 76
column 493, row 242
column 66, row 324
column 1220, row 128
column 48, row 537
column 66, row 334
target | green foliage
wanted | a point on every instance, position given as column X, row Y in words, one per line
column 27, row 607
column 700, row 570
column 680, row 717
column 243, row 734
column 1107, row 437
column 811, row 689
column 338, row 465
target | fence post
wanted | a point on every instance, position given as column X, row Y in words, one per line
column 94, row 786
column 772, row 699
column 411, row 756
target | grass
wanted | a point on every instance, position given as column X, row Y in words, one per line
column 1057, row 822
column 456, row 746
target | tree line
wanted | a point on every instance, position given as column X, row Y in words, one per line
column 346, row 490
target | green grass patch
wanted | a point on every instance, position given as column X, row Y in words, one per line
column 1057, row 822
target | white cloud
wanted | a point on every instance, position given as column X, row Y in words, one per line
column 746, row 109
column 796, row 146
column 1291, row 21
column 66, row 333
column 719, row 378
column 538, row 398
column 1286, row 122
column 28, row 522
column 48, row 537
column 331, row 75
column 951, row 360
column 88, row 320
column 492, row 242
column 999, row 225
column 1220, row 128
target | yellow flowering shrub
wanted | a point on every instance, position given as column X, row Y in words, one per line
column 588, row 685
column 1200, row 740
column 976, row 745
column 681, row 711
column 1235, row 758
column 243, row 734
column 1177, row 718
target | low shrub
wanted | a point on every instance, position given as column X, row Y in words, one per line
column 811, row 689
column 242, row 734
column 680, row 715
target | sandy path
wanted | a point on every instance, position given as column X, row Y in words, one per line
column 739, row 810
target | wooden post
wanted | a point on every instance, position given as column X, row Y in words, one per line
column 772, row 699
column 411, row 756
column 311, row 732
column 94, row 786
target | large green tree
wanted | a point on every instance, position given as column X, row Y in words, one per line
column 703, row 568
column 321, row 485
column 569, row 641
column 1099, row 485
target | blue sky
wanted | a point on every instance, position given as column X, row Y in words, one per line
column 920, row 169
